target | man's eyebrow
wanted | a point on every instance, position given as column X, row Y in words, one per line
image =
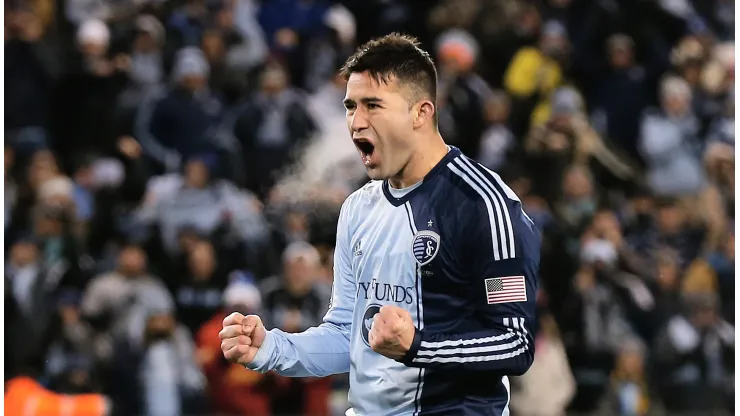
column 364, row 100
column 370, row 100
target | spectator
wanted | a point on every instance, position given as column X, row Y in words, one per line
column 291, row 27
column 695, row 353
column 669, row 143
column 224, row 78
column 622, row 95
column 233, row 390
column 462, row 93
column 31, row 72
column 567, row 138
column 186, row 23
column 115, row 303
column 198, row 294
column 629, row 393
column 86, row 119
column 60, row 250
column 671, row 229
column 170, row 377
column 715, row 274
column 595, row 328
column 579, row 201
column 295, row 302
column 70, row 362
column 181, row 122
column 667, row 291
column 197, row 200
column 546, row 388
column 271, row 124
column 30, row 290
column 146, row 73
column 534, row 73
column 42, row 166
column 497, row 143
column 234, row 47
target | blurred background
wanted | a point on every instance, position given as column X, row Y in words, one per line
column 168, row 162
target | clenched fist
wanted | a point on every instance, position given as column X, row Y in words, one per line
column 241, row 337
column 392, row 332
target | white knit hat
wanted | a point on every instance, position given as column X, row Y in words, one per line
column 242, row 293
column 60, row 186
column 93, row 31
column 190, row 61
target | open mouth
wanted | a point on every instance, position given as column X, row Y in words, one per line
column 366, row 149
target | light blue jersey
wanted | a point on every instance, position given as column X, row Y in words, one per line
column 460, row 255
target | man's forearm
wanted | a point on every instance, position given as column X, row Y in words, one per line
column 317, row 352
column 507, row 348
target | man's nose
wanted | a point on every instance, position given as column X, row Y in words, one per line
column 358, row 121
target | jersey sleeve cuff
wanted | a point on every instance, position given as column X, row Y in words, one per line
column 411, row 353
column 262, row 358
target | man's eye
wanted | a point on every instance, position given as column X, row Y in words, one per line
column 350, row 107
column 372, row 106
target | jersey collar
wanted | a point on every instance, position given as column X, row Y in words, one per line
column 453, row 153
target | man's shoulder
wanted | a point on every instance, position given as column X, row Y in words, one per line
column 367, row 194
column 475, row 184
column 482, row 199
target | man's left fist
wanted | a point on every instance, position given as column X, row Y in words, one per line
column 392, row 332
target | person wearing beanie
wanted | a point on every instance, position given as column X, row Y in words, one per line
column 464, row 93
column 84, row 107
column 232, row 390
column 180, row 121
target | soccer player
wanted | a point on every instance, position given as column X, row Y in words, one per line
column 435, row 264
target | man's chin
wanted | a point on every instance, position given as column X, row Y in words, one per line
column 374, row 173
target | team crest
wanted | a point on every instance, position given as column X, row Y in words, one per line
column 425, row 246
column 367, row 322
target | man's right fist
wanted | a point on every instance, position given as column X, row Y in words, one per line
column 241, row 337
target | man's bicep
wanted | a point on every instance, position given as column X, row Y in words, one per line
column 500, row 269
column 504, row 265
column 507, row 288
column 342, row 300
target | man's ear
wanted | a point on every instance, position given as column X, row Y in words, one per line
column 424, row 111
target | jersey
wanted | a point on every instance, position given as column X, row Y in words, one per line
column 460, row 254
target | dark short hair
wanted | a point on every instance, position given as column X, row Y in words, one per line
column 398, row 56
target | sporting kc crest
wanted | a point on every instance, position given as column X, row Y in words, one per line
column 367, row 322
column 425, row 246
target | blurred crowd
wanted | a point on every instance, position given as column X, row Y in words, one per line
column 168, row 162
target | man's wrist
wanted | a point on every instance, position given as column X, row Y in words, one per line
column 262, row 358
column 414, row 349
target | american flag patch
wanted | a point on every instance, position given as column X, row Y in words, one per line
column 506, row 289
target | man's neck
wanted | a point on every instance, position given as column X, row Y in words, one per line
column 425, row 158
